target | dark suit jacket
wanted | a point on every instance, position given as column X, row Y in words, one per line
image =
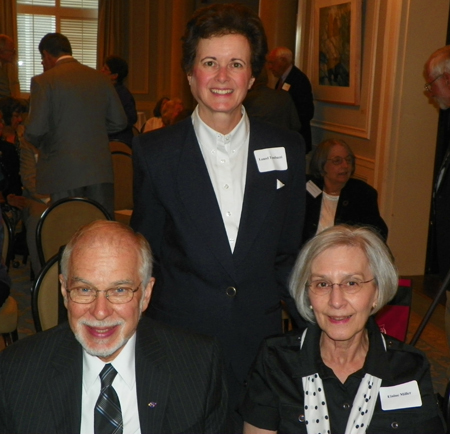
column 272, row 106
column 358, row 205
column 176, row 209
column 301, row 92
column 10, row 169
column 41, row 383
column 129, row 106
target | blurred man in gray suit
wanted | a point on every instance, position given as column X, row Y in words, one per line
column 107, row 370
column 72, row 110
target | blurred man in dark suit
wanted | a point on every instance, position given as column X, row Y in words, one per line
column 291, row 79
column 271, row 106
column 437, row 86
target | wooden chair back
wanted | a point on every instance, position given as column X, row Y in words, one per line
column 61, row 220
column 45, row 296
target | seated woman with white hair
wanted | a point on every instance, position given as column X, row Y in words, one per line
column 341, row 374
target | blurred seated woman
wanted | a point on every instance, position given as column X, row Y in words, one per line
column 11, row 199
column 156, row 121
column 341, row 374
column 333, row 197
column 13, row 110
column 170, row 111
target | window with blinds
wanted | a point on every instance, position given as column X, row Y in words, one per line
column 76, row 19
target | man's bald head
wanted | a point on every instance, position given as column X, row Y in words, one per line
column 112, row 234
column 279, row 60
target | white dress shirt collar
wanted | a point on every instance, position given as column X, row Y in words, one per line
column 124, row 364
column 225, row 157
column 207, row 137
column 286, row 73
column 66, row 56
column 124, row 384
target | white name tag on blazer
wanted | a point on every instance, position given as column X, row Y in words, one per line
column 406, row 395
column 286, row 87
column 312, row 189
column 270, row 159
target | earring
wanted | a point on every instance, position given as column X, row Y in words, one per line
column 310, row 306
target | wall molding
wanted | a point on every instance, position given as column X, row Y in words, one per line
column 364, row 169
column 363, row 133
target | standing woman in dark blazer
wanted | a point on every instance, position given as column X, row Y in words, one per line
column 333, row 197
column 220, row 197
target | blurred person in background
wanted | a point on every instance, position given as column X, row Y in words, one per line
column 170, row 111
column 333, row 197
column 156, row 122
column 291, row 79
column 116, row 69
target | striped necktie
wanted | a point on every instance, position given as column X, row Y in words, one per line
column 107, row 414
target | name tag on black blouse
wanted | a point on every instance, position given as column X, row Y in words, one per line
column 406, row 395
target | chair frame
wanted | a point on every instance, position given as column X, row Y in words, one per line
column 9, row 232
column 11, row 336
column 35, row 291
column 51, row 208
column 117, row 146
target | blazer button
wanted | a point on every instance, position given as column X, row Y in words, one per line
column 394, row 425
column 301, row 418
column 230, row 291
column 346, row 406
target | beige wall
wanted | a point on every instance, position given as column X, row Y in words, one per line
column 411, row 134
column 156, row 27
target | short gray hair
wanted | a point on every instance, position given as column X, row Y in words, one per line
column 320, row 155
column 380, row 259
column 116, row 229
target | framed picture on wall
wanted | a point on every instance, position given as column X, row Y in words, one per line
column 336, row 70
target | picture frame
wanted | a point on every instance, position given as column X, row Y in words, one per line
column 336, row 65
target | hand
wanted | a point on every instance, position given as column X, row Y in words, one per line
column 16, row 201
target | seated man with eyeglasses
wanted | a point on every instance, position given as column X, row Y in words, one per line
column 333, row 197
column 108, row 370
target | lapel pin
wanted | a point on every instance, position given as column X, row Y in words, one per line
column 279, row 184
column 152, row 404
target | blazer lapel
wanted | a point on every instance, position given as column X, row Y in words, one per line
column 153, row 381
column 64, row 388
column 260, row 191
column 200, row 202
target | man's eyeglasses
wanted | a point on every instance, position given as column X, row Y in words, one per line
column 349, row 286
column 85, row 294
column 427, row 86
column 337, row 161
